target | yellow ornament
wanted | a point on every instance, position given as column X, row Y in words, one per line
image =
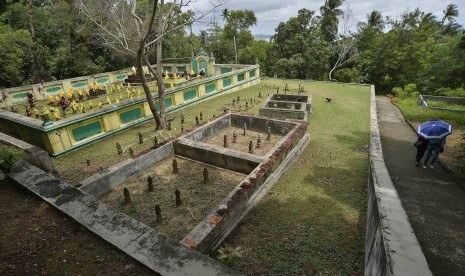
column 171, row 85
column 90, row 105
column 108, row 100
column 117, row 101
column 100, row 104
column 51, row 99
column 139, row 93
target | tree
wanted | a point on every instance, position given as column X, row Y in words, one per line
column 346, row 45
column 238, row 21
column 374, row 22
column 450, row 13
column 136, row 31
column 330, row 12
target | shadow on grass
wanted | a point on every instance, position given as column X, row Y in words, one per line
column 300, row 237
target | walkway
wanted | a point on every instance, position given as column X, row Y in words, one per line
column 432, row 198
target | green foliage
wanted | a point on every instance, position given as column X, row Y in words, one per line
column 410, row 91
column 228, row 254
column 14, row 56
column 351, row 75
column 7, row 159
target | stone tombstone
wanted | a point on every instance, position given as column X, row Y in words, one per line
column 259, row 141
column 158, row 213
column 141, row 139
column 246, row 104
column 201, row 116
column 224, row 109
column 251, row 147
column 234, row 102
column 131, row 152
column 268, row 133
column 225, row 141
column 182, row 118
column 245, row 128
column 260, row 95
column 175, row 166
column 205, row 176
column 277, row 90
column 182, row 128
column 177, row 193
column 238, row 99
column 168, row 125
column 88, row 162
column 285, row 89
column 119, row 149
column 197, row 120
column 127, row 196
column 150, row 183
column 240, row 107
column 234, row 137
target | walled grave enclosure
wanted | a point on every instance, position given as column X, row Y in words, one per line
column 82, row 128
column 423, row 102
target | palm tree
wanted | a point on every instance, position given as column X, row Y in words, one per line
column 329, row 18
column 375, row 21
column 450, row 12
column 225, row 14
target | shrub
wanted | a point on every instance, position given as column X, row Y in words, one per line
column 7, row 160
column 351, row 75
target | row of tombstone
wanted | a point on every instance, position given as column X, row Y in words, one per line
column 151, row 188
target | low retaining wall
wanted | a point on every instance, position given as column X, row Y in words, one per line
column 391, row 247
column 423, row 102
column 102, row 182
column 34, row 155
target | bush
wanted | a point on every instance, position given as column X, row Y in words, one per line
column 7, row 160
column 410, row 91
column 351, row 75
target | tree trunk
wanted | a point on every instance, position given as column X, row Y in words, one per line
column 139, row 59
column 145, row 86
column 35, row 58
column 235, row 49
column 158, row 76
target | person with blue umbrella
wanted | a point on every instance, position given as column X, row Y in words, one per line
column 436, row 133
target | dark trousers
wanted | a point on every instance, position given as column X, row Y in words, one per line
column 421, row 151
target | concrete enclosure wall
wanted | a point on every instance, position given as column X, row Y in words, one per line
column 103, row 182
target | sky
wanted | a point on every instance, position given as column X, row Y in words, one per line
column 270, row 13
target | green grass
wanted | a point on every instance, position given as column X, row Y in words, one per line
column 313, row 219
column 446, row 105
column 414, row 112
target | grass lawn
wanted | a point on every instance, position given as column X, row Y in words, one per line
column 313, row 219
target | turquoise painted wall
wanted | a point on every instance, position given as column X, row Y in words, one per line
column 130, row 115
column 252, row 73
column 168, row 103
column 241, row 77
column 88, row 130
column 225, row 70
column 227, row 82
column 211, row 87
column 189, row 95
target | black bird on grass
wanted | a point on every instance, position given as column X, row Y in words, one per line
column 329, row 99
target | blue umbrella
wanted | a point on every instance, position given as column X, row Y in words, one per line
column 434, row 129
